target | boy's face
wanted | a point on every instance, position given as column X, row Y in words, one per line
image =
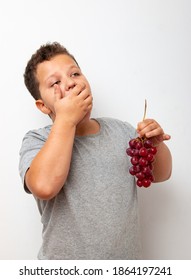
column 63, row 71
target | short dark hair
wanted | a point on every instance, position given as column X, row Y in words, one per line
column 45, row 52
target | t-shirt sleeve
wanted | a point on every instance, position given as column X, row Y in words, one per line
column 31, row 145
column 130, row 130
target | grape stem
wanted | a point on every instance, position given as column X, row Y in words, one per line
column 145, row 110
column 144, row 116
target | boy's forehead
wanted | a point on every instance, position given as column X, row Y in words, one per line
column 61, row 59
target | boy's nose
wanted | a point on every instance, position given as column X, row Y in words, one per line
column 70, row 84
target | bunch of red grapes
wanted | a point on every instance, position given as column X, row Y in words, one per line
column 142, row 153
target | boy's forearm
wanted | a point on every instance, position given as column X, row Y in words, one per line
column 49, row 169
column 163, row 163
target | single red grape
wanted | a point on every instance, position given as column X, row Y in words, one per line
column 132, row 171
column 146, row 183
column 139, row 145
column 135, row 160
column 139, row 183
column 137, row 168
column 140, row 176
column 129, row 152
column 150, row 157
column 148, row 143
column 143, row 152
column 146, row 170
column 132, row 143
column 153, row 150
column 143, row 161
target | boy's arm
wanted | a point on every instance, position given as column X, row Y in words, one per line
column 163, row 159
column 162, row 164
column 49, row 169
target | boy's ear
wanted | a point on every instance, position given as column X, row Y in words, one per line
column 42, row 107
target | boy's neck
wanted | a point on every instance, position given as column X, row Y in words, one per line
column 87, row 127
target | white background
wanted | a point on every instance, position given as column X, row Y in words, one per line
column 129, row 50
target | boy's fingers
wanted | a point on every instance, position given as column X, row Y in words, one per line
column 150, row 128
column 78, row 89
column 89, row 100
column 57, row 92
column 166, row 137
column 146, row 123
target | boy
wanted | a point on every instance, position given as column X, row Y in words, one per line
column 77, row 168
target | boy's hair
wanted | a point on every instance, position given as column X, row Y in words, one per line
column 44, row 53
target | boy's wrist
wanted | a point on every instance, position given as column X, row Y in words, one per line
column 63, row 124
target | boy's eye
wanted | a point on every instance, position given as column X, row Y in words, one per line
column 75, row 74
column 55, row 83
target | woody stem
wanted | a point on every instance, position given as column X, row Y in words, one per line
column 145, row 110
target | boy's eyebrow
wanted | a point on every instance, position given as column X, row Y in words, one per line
column 51, row 76
column 56, row 73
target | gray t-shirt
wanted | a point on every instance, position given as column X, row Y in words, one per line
column 95, row 215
